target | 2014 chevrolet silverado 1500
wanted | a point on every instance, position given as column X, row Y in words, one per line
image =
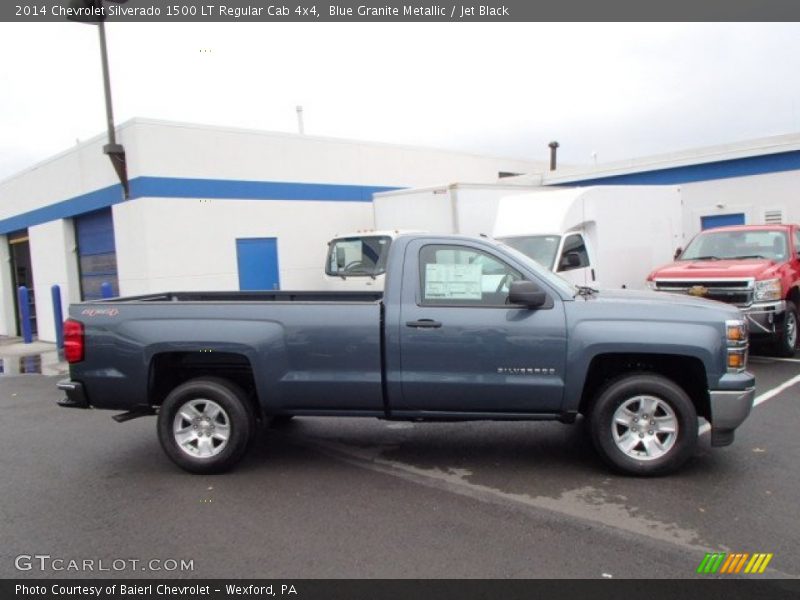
column 466, row 329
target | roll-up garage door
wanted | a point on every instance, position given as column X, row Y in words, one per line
column 97, row 254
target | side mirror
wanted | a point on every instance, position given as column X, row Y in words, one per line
column 678, row 251
column 570, row 260
column 526, row 293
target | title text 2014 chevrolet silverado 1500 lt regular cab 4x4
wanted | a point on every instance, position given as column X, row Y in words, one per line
column 465, row 329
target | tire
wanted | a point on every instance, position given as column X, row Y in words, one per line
column 205, row 425
column 617, row 417
column 787, row 338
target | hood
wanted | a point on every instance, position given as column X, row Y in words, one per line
column 723, row 269
column 649, row 301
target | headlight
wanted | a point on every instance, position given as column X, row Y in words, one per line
column 735, row 332
column 651, row 285
column 769, row 289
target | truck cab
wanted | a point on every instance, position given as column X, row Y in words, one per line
column 568, row 254
column 754, row 267
column 598, row 236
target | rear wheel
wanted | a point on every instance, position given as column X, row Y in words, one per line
column 787, row 338
column 205, row 425
column 643, row 424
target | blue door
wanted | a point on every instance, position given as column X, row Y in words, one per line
column 712, row 221
column 97, row 253
column 257, row 259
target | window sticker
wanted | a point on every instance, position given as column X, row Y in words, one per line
column 453, row 282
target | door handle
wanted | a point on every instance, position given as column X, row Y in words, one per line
column 424, row 323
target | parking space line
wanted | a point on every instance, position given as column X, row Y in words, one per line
column 769, row 359
column 769, row 394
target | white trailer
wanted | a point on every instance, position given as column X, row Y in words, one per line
column 600, row 236
column 465, row 208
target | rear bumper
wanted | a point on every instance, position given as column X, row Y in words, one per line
column 765, row 318
column 729, row 409
column 75, row 394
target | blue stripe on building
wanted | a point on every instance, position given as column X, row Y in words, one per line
column 171, row 187
column 725, row 169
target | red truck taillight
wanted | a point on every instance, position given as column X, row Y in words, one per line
column 73, row 341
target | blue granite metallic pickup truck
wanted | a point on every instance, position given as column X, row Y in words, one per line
column 467, row 329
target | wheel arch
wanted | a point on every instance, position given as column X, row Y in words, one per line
column 168, row 370
column 688, row 372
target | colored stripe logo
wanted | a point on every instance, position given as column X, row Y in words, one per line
column 736, row 562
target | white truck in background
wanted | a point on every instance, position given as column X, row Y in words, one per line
column 599, row 236
column 609, row 236
column 356, row 261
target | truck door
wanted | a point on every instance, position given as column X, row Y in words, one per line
column 574, row 262
column 463, row 348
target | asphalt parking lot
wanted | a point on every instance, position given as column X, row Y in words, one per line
column 366, row 498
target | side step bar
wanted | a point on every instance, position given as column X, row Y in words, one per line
column 134, row 414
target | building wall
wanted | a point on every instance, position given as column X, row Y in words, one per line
column 749, row 195
column 168, row 244
column 190, row 151
column 59, row 187
column 7, row 317
column 53, row 255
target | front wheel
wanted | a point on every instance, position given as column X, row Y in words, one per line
column 205, row 425
column 644, row 424
column 787, row 338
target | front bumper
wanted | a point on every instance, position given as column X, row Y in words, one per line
column 76, row 395
column 765, row 318
column 729, row 409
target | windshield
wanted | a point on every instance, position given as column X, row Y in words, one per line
column 715, row 245
column 358, row 256
column 541, row 248
column 555, row 280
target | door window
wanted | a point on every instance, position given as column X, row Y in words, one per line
column 574, row 254
column 460, row 276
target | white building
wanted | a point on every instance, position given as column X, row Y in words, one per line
column 752, row 182
column 210, row 208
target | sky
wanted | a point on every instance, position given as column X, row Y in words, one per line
column 606, row 92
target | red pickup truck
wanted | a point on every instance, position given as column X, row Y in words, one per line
column 755, row 267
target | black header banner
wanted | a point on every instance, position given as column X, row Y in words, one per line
column 312, row 11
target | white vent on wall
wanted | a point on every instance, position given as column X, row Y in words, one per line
column 773, row 216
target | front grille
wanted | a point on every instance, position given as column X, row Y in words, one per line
column 738, row 292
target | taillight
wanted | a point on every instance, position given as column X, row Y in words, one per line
column 73, row 341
